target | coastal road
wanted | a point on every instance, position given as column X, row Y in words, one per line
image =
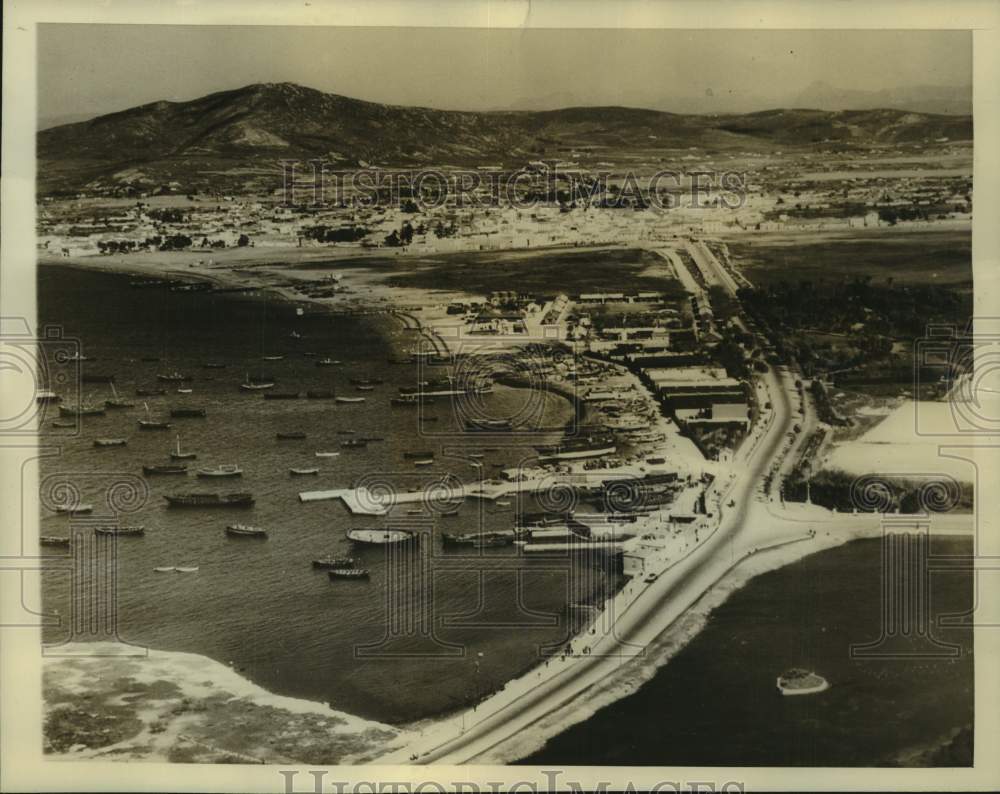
column 640, row 613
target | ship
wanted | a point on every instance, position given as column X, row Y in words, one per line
column 334, row 562
column 801, row 682
column 348, row 573
column 173, row 377
column 225, row 470
column 123, row 531
column 165, row 468
column 188, row 413
column 381, row 537
column 209, row 500
column 110, row 442
column 51, row 540
column 81, row 410
column 244, row 530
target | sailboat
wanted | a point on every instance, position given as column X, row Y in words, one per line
column 116, row 401
column 178, row 455
column 149, row 424
column 250, row 385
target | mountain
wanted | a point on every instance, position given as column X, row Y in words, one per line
column 234, row 140
column 938, row 99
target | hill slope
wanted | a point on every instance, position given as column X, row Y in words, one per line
column 233, row 138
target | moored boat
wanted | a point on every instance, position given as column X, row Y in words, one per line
column 801, row 682
column 122, row 531
column 150, row 392
column 110, row 442
column 116, row 401
column 80, row 410
column 165, row 468
column 303, row 472
column 350, row 399
column 209, row 500
column 152, row 424
column 224, row 470
column 327, row 454
column 348, row 573
column 52, row 540
column 245, row 530
column 178, row 455
column 173, row 377
column 75, row 509
column 334, row 562
column 424, row 462
column 354, row 443
column 47, row 396
column 256, row 385
column 418, row 455
column 381, row 537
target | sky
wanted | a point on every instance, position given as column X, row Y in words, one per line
column 87, row 70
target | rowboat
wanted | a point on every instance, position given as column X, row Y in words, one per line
column 110, row 442
column 186, row 568
column 424, row 462
column 57, row 423
column 327, row 454
column 244, row 530
column 334, row 562
column 348, row 573
column 300, row 472
column 225, row 470
column 185, row 391
column 165, row 468
column 47, row 396
column 122, row 531
column 272, row 358
column 165, row 569
column 350, row 399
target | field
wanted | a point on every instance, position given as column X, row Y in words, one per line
column 918, row 257
column 543, row 273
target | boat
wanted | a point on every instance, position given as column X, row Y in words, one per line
column 334, row 562
column 489, row 425
column 381, row 537
column 116, row 401
column 165, row 468
column 801, row 682
column 348, row 573
column 51, row 540
column 327, row 454
column 123, row 531
column 185, row 391
column 577, row 448
column 80, row 410
column 365, row 381
column 320, row 394
column 418, row 455
column 354, row 443
column 303, row 472
column 57, row 423
column 350, row 399
column 209, row 500
column 291, row 434
column 78, row 357
column 225, row 470
column 75, row 510
column 410, row 401
column 424, row 462
column 178, row 455
column 271, row 358
column 256, row 385
column 47, row 396
column 150, row 424
column 365, row 388
column 295, row 335
column 479, row 539
column 173, row 377
column 110, row 442
column 186, row 568
column 326, row 362
column 188, row 413
column 245, row 530
column 282, row 395
column 150, row 392
column 165, row 569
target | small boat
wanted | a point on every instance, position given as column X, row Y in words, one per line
column 801, row 682
column 150, row 424
column 47, row 396
column 282, row 395
column 165, row 569
column 185, row 391
column 57, row 423
column 414, row 512
column 424, row 462
column 256, row 385
column 411, row 400
column 110, row 442
column 320, row 394
column 418, row 455
column 348, row 573
column 303, row 472
column 78, row 357
column 80, row 410
column 51, row 540
column 354, row 443
column 327, row 454
column 178, row 455
column 295, row 335
column 75, row 510
column 209, row 500
column 381, row 537
column 165, row 468
column 122, row 531
column 150, row 392
column 365, row 388
column 334, row 562
column 225, row 470
column 186, row 568
column 271, row 358
column 188, row 413
column 326, row 362
column 116, row 401
column 173, row 377
column 489, row 425
column 350, row 399
column 296, row 434
column 245, row 530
